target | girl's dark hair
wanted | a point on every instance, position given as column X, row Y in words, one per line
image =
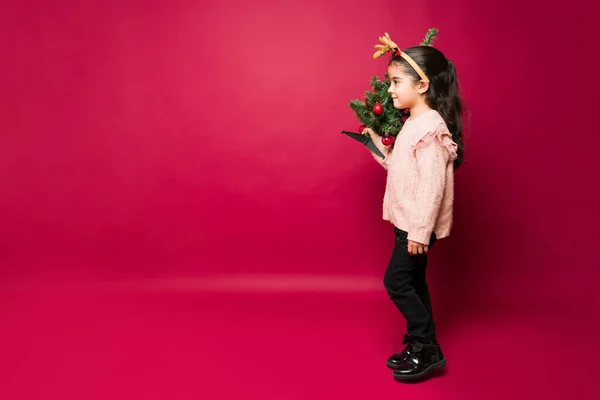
column 442, row 94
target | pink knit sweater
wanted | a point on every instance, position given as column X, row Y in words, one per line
column 419, row 191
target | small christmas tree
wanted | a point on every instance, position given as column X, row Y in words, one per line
column 377, row 110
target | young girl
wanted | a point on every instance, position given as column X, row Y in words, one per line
column 419, row 193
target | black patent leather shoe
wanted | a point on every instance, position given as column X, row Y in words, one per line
column 420, row 360
column 396, row 359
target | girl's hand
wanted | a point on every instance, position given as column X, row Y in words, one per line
column 377, row 140
column 371, row 133
column 415, row 248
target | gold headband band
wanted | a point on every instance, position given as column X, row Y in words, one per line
column 414, row 65
column 388, row 45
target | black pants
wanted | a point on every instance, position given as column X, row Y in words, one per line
column 406, row 285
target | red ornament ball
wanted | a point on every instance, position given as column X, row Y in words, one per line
column 387, row 140
column 377, row 109
column 361, row 129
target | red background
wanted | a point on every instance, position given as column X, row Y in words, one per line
column 185, row 139
column 187, row 136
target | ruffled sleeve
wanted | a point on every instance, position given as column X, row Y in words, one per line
column 438, row 131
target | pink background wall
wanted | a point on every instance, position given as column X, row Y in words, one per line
column 187, row 138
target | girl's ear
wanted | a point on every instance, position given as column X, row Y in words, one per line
column 422, row 87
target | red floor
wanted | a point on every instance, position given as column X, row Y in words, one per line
column 141, row 340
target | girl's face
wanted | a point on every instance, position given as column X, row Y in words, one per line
column 404, row 92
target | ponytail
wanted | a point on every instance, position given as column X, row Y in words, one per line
column 443, row 97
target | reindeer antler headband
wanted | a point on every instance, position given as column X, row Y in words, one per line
column 388, row 45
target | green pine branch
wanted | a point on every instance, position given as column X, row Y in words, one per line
column 390, row 121
column 429, row 37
